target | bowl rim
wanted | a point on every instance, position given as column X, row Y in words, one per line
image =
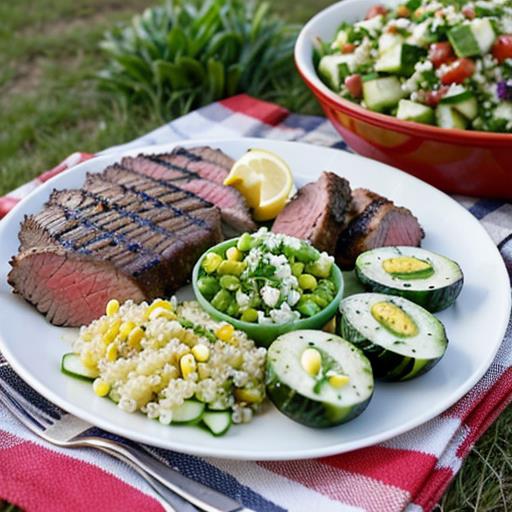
column 235, row 321
column 312, row 80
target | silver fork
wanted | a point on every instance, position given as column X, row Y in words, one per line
column 66, row 432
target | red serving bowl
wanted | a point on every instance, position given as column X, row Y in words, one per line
column 457, row 161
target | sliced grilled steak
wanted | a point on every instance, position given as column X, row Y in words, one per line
column 375, row 222
column 205, row 179
column 317, row 212
column 129, row 240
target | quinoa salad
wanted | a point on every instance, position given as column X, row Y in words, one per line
column 173, row 363
column 446, row 63
column 268, row 278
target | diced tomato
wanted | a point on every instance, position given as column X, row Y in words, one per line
column 376, row 10
column 440, row 53
column 458, row 71
column 502, row 48
column 354, row 85
column 348, row 48
column 469, row 12
column 432, row 98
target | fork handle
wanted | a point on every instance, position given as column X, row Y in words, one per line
column 203, row 497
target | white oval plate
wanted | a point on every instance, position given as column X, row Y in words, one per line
column 475, row 325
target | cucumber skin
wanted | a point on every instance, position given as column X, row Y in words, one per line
column 431, row 300
column 72, row 374
column 306, row 411
column 386, row 365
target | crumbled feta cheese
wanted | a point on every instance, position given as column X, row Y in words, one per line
column 270, row 295
column 362, row 53
column 293, row 297
column 283, row 314
column 372, row 26
column 242, row 299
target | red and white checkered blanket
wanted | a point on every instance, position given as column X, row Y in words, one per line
column 411, row 471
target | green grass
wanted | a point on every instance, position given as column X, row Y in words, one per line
column 49, row 108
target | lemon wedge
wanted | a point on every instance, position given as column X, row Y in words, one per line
column 264, row 179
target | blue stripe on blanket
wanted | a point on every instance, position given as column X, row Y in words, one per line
column 485, row 206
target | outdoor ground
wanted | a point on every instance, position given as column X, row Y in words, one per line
column 50, row 108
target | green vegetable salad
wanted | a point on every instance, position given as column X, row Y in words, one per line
column 446, row 63
column 268, row 278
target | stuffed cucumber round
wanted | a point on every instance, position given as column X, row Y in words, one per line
column 401, row 339
column 426, row 278
column 317, row 378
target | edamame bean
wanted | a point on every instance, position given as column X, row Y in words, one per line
column 229, row 282
column 327, row 284
column 221, row 300
column 307, row 282
column 233, row 309
column 211, row 262
column 208, row 286
column 231, row 267
column 233, row 254
column 297, row 268
column 249, row 315
column 307, row 307
column 245, row 242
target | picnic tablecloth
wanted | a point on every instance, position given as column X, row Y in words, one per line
column 411, row 471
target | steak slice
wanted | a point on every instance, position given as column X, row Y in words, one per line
column 172, row 170
column 317, row 212
column 375, row 221
column 110, row 240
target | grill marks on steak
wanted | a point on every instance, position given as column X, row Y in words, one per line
column 317, row 212
column 122, row 235
column 189, row 170
column 375, row 221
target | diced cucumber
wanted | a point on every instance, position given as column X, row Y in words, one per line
column 382, row 93
column 316, row 399
column 218, row 422
column 474, row 38
column 341, row 39
column 484, row 34
column 400, row 58
column 463, row 101
column 191, row 411
column 394, row 355
column 388, row 41
column 448, row 117
column 411, row 111
column 434, row 290
column 333, row 69
column 72, row 365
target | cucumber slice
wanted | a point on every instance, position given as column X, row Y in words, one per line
column 315, row 401
column 72, row 365
column 435, row 290
column 448, row 117
column 395, row 356
column 333, row 69
column 474, row 38
column 388, row 41
column 382, row 93
column 191, row 411
column 218, row 422
column 504, row 111
column 411, row 111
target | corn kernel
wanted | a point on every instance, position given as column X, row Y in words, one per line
column 162, row 312
column 100, row 387
column 112, row 307
column 135, row 337
column 311, row 361
column 88, row 359
column 201, row 352
column 233, row 254
column 126, row 328
column 159, row 303
column 248, row 395
column 187, row 365
column 112, row 352
column 339, row 381
column 225, row 332
column 112, row 332
column 211, row 262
